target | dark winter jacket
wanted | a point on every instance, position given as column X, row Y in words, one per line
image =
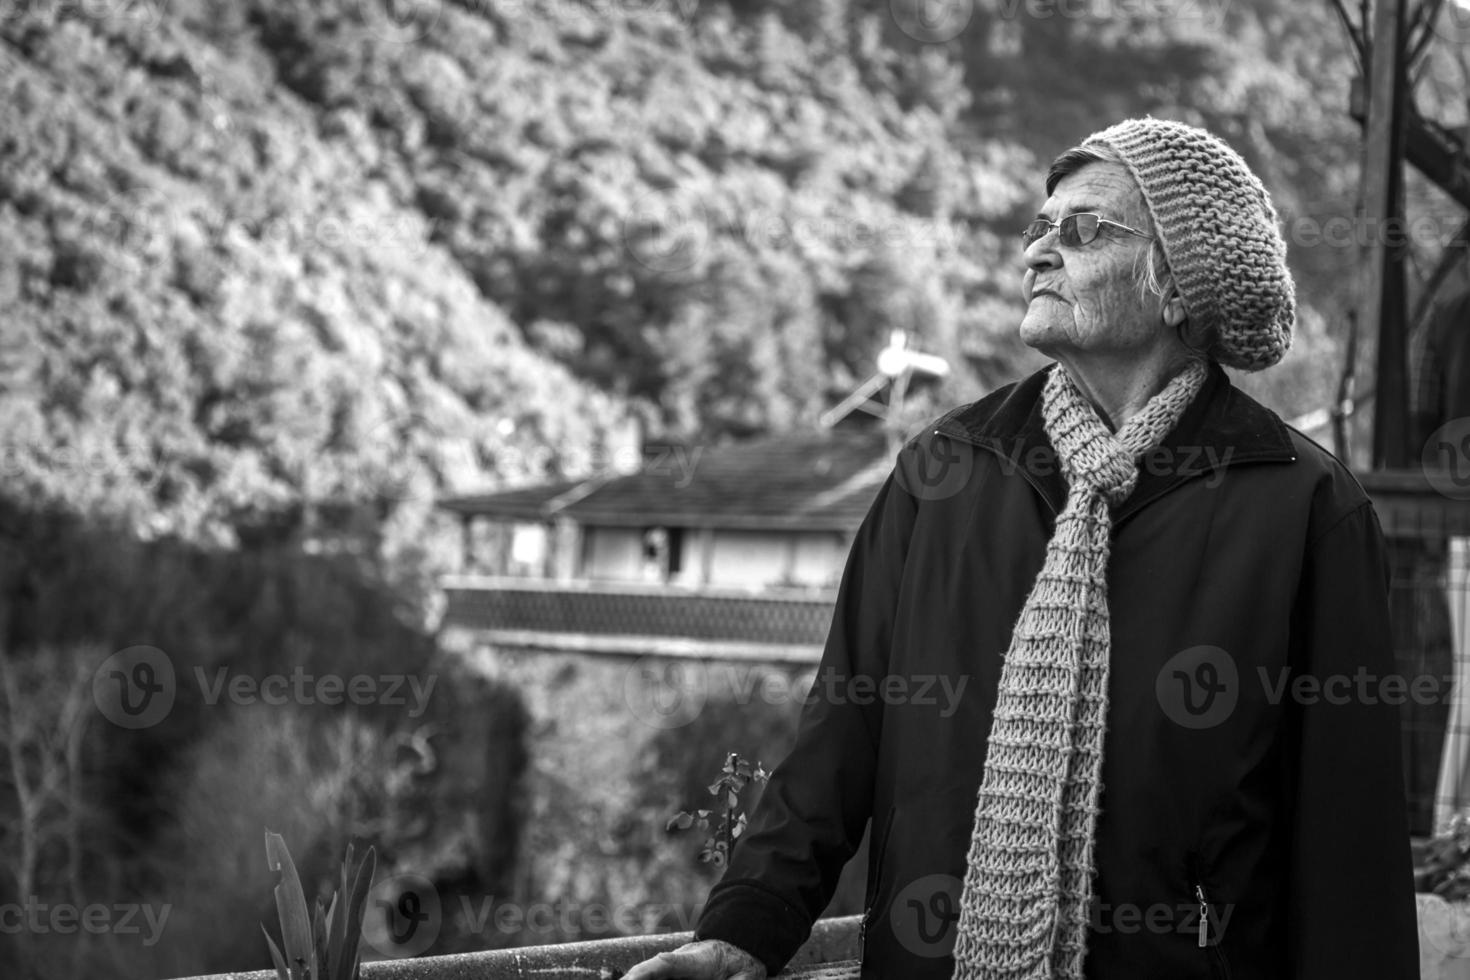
column 1252, row 765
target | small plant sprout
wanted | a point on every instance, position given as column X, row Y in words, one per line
column 735, row 776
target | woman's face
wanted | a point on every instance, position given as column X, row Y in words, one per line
column 1086, row 300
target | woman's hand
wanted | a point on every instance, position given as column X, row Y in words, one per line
column 709, row 959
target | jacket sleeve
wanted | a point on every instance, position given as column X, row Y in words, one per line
column 1352, row 910
column 816, row 804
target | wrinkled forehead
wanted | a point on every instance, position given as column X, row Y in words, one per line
column 1105, row 187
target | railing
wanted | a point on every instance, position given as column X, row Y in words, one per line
column 1426, row 518
column 830, row 954
column 641, row 619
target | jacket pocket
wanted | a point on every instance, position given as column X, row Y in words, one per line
column 880, row 843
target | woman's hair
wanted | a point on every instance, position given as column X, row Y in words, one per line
column 1151, row 268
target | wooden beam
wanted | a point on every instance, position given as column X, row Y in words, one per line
column 1438, row 157
column 1381, row 303
column 1435, row 153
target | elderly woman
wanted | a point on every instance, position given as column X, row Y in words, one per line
column 1174, row 756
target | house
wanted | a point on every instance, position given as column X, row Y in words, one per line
column 706, row 550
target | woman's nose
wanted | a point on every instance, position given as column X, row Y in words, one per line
column 1042, row 254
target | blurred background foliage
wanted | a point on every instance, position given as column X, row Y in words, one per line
column 276, row 274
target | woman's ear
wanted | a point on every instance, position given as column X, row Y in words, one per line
column 1173, row 312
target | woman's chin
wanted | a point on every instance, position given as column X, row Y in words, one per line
column 1039, row 332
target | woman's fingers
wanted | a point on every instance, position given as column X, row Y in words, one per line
column 685, row 963
column 706, row 960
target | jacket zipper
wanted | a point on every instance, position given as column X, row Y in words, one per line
column 1205, row 940
column 877, row 879
column 1204, row 916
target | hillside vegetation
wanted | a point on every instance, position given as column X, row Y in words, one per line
column 276, row 267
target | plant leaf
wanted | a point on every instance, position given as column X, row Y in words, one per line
column 282, row 973
column 319, row 936
column 362, row 882
column 291, row 904
column 333, row 934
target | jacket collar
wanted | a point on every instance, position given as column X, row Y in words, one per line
column 1221, row 427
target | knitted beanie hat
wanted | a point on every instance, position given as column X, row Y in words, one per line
column 1219, row 233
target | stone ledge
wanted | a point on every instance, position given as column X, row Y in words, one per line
column 831, row 953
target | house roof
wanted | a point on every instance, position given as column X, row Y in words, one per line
column 823, row 480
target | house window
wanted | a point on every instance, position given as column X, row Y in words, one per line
column 663, row 553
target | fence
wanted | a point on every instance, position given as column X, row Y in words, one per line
column 1427, row 525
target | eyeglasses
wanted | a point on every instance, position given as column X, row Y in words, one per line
column 1077, row 229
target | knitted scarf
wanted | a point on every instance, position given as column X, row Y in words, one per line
column 1028, row 884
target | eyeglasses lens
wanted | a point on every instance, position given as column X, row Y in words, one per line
column 1076, row 230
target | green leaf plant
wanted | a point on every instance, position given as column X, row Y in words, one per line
column 735, row 776
column 324, row 946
